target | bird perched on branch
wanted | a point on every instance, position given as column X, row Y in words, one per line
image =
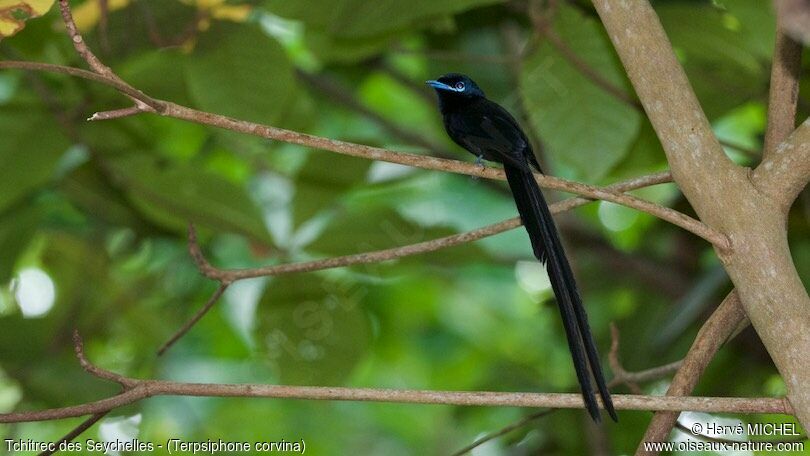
column 489, row 132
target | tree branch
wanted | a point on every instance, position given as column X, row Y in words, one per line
column 784, row 90
column 140, row 389
column 694, row 154
column 784, row 173
column 75, row 432
column 621, row 376
column 226, row 277
column 223, row 285
column 725, row 196
column 169, row 109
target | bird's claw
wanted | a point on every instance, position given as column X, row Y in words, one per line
column 479, row 160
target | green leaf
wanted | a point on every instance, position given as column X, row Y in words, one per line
column 587, row 130
column 238, row 71
column 87, row 188
column 324, row 178
column 360, row 18
column 757, row 25
column 723, row 68
column 350, row 30
column 173, row 195
column 156, row 73
column 16, row 231
column 30, row 149
column 143, row 26
column 313, row 329
column 363, row 229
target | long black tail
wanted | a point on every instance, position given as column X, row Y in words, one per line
column 548, row 249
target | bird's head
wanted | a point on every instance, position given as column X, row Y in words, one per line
column 456, row 86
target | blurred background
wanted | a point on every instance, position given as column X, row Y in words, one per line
column 93, row 218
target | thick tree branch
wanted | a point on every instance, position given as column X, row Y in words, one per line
column 726, row 197
column 694, row 154
column 717, row 329
column 140, row 389
column 784, row 173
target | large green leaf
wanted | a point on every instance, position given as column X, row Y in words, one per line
column 312, row 328
column 757, row 25
column 363, row 229
column 143, row 26
column 173, row 195
column 30, row 148
column 723, row 66
column 586, row 129
column 361, row 18
column 237, row 70
column 349, row 30
column 323, row 179
column 87, row 188
column 16, row 231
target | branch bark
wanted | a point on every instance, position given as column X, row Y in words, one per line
column 139, row 389
column 748, row 208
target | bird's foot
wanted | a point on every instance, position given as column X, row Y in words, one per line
column 479, row 160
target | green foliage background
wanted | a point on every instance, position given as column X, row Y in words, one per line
column 102, row 208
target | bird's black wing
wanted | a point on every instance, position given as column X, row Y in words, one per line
column 487, row 130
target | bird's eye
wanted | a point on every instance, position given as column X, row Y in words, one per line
column 459, row 85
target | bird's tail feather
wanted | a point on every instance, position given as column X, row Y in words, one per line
column 548, row 249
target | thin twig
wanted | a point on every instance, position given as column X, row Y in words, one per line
column 116, row 113
column 632, row 379
column 141, row 389
column 75, row 432
column 504, row 430
column 646, row 375
column 81, row 47
column 169, row 109
column 92, row 369
column 103, row 22
column 377, row 256
column 193, row 320
column 118, row 85
column 229, row 276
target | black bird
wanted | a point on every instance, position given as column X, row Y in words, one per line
column 489, row 132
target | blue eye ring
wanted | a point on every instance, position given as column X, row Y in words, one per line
column 459, row 86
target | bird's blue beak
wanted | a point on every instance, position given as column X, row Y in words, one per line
column 440, row 86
